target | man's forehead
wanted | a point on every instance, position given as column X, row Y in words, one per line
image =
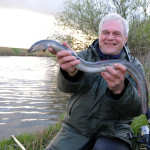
column 114, row 25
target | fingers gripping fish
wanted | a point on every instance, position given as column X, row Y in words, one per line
column 95, row 67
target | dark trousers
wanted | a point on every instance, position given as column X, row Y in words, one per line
column 104, row 143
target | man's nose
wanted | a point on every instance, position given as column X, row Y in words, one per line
column 110, row 37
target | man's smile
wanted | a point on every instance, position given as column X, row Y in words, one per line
column 110, row 44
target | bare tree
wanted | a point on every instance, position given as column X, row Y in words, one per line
column 82, row 18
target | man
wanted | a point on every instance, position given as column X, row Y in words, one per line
column 102, row 105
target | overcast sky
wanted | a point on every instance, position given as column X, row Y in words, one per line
column 42, row 6
column 24, row 22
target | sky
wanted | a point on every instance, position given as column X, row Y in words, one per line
column 24, row 22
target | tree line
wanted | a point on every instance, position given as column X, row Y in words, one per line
column 82, row 18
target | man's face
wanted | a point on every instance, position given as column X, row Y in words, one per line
column 112, row 37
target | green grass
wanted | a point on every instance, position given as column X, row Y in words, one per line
column 16, row 51
column 6, row 51
column 40, row 139
column 138, row 122
column 32, row 141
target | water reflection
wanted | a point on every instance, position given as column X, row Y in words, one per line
column 29, row 99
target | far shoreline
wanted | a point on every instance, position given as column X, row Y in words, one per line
column 9, row 51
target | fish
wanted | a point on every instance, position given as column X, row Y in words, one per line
column 97, row 67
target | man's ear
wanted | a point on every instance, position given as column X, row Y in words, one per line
column 126, row 38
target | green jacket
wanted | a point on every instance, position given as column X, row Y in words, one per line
column 91, row 110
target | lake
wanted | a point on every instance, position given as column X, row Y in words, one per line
column 29, row 98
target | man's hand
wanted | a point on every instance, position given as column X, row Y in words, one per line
column 66, row 60
column 115, row 78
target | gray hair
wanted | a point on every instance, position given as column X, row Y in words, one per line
column 115, row 16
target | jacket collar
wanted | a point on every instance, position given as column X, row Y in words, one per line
column 102, row 56
column 106, row 57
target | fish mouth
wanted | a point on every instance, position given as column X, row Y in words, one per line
column 28, row 51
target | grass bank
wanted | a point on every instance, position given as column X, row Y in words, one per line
column 7, row 51
column 40, row 139
column 32, row 141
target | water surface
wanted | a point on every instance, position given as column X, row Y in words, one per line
column 29, row 98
